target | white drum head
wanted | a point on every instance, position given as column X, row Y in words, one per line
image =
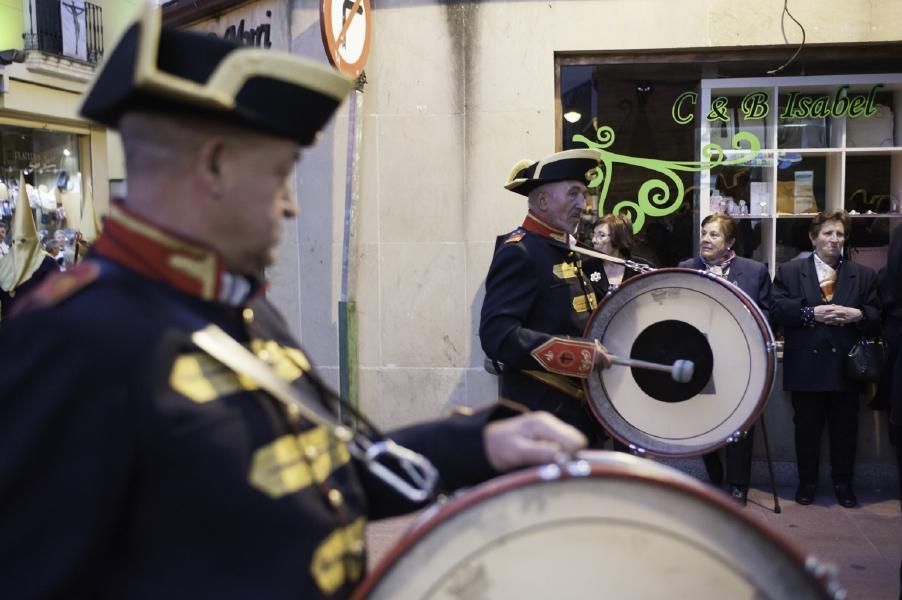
column 669, row 315
column 606, row 527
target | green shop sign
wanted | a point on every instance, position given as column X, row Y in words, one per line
column 661, row 195
column 756, row 105
column 664, row 194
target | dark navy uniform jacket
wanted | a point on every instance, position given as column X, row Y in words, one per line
column 537, row 303
column 133, row 465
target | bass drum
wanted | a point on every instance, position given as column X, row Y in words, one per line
column 672, row 314
column 605, row 525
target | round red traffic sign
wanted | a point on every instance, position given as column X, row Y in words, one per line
column 346, row 26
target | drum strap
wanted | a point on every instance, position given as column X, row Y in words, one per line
column 559, row 382
column 416, row 478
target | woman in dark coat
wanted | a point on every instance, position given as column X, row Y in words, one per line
column 825, row 305
column 716, row 255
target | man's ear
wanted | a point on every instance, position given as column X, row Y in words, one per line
column 542, row 200
column 210, row 165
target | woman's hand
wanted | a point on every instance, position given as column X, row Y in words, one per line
column 835, row 314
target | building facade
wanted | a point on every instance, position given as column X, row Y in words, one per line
column 402, row 199
column 48, row 54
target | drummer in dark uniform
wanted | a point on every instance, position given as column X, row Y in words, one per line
column 185, row 448
column 537, row 298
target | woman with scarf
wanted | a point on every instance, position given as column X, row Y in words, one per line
column 716, row 256
column 825, row 305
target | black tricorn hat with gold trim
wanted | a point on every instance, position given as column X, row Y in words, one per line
column 159, row 69
column 576, row 165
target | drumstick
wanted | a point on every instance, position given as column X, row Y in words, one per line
column 681, row 370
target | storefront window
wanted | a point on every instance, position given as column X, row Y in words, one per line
column 685, row 135
column 825, row 143
column 49, row 164
column 627, row 113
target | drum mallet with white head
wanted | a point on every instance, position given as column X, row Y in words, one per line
column 681, row 370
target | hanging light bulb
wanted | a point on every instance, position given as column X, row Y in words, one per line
column 572, row 116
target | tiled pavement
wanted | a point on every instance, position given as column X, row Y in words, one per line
column 865, row 543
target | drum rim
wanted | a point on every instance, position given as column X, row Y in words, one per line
column 626, row 470
column 770, row 352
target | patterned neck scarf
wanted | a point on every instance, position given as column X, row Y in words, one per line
column 721, row 266
column 826, row 277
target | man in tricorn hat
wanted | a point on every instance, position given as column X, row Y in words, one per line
column 186, row 449
column 537, row 300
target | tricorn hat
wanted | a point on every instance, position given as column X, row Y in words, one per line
column 561, row 166
column 159, row 69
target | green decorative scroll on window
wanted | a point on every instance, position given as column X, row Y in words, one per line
column 662, row 195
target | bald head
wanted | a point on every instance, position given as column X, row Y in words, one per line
column 158, row 144
column 180, row 159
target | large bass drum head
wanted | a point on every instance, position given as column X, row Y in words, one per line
column 681, row 314
column 606, row 526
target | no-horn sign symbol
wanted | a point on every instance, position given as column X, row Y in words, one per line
column 347, row 27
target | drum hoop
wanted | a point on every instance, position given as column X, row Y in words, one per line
column 770, row 353
column 551, row 473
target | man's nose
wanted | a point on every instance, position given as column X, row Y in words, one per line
column 289, row 204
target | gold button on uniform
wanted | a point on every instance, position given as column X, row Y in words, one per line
column 248, row 314
column 335, row 498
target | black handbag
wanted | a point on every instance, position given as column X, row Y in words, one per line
column 865, row 360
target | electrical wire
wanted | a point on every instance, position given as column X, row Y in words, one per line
column 785, row 39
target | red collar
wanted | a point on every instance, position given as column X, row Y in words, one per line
column 535, row 225
column 159, row 254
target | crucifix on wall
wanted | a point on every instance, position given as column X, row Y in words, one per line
column 74, row 26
